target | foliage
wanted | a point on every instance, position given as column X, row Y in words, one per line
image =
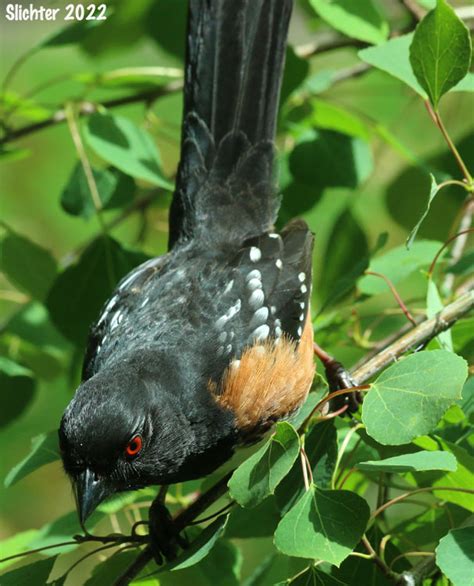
column 386, row 187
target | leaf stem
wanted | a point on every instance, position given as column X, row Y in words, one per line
column 38, row 550
column 405, row 495
column 379, row 561
column 445, row 245
column 435, row 115
column 395, row 293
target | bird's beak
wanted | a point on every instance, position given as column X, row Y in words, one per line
column 90, row 492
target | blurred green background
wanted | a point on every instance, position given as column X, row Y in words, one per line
column 386, row 199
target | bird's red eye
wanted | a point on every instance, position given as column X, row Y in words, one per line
column 134, row 446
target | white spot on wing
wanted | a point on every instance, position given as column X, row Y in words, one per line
column 145, row 301
column 229, row 286
column 274, row 235
column 278, row 263
column 259, row 317
column 302, row 277
column 300, row 331
column 303, row 289
column 254, row 284
column 255, row 254
column 255, row 274
column 222, row 337
column 256, row 299
column 261, row 333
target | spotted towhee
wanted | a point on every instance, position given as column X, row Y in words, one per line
column 203, row 349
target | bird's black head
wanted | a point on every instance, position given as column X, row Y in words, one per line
column 120, row 432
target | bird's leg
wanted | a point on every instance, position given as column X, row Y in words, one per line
column 164, row 536
column 338, row 378
column 162, row 532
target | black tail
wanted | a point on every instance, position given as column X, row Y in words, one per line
column 234, row 65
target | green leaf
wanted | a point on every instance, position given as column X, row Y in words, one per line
column 259, row 476
column 467, row 401
column 18, row 389
column 433, row 192
column 80, row 291
column 13, row 154
column 342, row 160
column 320, row 445
column 358, row 20
column 166, row 24
column 463, row 477
column 427, row 528
column 296, row 70
column 35, row 573
column 464, row 265
column 261, row 521
column 313, row 577
column 126, row 146
column 61, row 530
column 393, row 58
column 69, row 35
column 397, row 264
column 115, row 190
column 466, row 84
column 332, row 117
column 28, row 266
column 349, row 277
column 109, row 571
column 454, row 556
column 433, row 306
column 440, row 53
column 417, row 461
column 345, row 259
column 44, row 450
column 16, row 544
column 222, row 566
column 32, row 324
column 409, row 397
column 318, row 525
column 200, row 547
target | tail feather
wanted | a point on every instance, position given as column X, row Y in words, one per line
column 234, row 64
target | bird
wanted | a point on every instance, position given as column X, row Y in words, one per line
column 203, row 349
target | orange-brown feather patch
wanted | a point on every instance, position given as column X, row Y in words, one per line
column 271, row 381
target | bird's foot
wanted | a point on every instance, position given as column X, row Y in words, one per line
column 339, row 378
column 165, row 539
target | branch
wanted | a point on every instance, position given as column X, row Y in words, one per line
column 87, row 108
column 423, row 333
column 327, row 42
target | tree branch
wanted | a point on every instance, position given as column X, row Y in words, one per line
column 421, row 334
column 87, row 108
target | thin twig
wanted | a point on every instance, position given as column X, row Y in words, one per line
column 459, row 244
column 425, row 331
column 445, row 245
column 405, row 495
column 379, row 561
column 452, row 147
column 87, row 108
column 395, row 293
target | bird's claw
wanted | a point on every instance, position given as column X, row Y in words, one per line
column 339, row 378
